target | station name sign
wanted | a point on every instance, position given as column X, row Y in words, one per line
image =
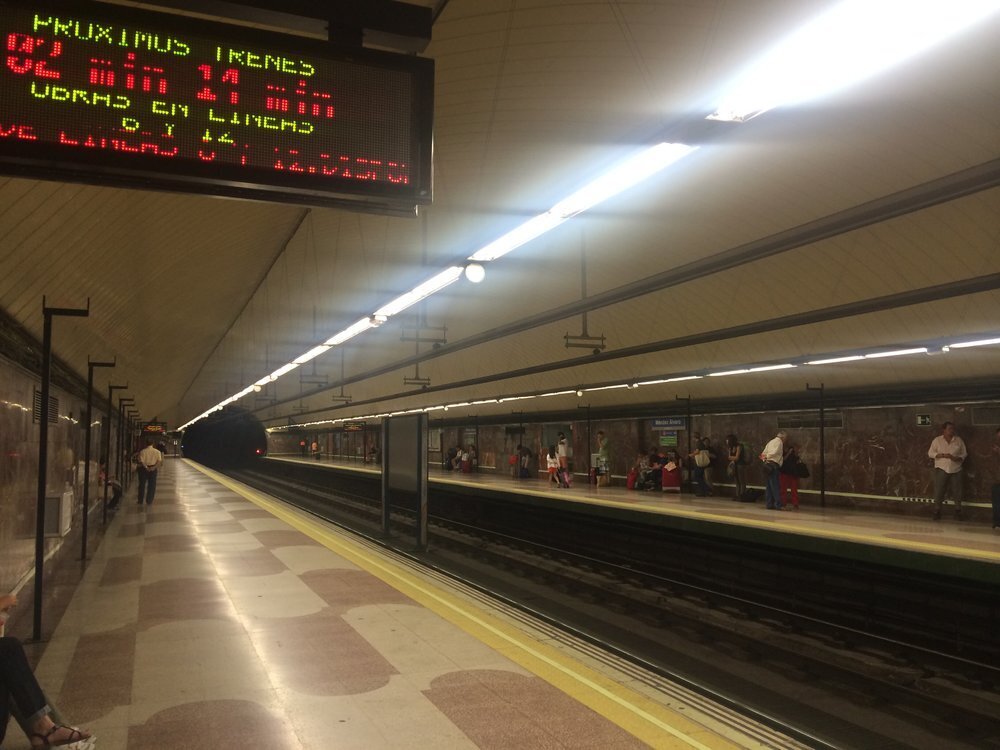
column 113, row 95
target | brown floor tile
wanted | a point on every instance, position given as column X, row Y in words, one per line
column 344, row 589
column 172, row 543
column 182, row 599
column 120, row 570
column 290, row 538
column 99, row 676
column 213, row 724
column 132, row 529
column 500, row 709
column 322, row 655
column 251, row 512
column 165, row 516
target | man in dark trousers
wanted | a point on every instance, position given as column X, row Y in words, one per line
column 149, row 462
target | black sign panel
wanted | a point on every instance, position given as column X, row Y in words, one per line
column 111, row 95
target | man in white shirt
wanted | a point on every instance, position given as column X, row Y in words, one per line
column 562, row 451
column 149, row 460
column 948, row 451
column 772, row 456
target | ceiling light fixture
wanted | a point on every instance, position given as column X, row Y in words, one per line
column 350, row 332
column 475, row 273
column 897, row 353
column 312, row 354
column 434, row 284
column 835, row 360
column 849, row 43
column 628, row 173
column 968, row 344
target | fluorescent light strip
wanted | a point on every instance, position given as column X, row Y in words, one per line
column 851, row 42
column 284, row 369
column 431, row 286
column 350, row 332
column 967, row 344
column 605, row 387
column 312, row 354
column 897, row 353
column 627, row 174
column 670, row 380
column 835, row 360
column 518, row 236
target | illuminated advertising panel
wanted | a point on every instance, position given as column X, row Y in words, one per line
column 110, row 95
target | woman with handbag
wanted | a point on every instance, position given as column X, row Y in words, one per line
column 702, row 459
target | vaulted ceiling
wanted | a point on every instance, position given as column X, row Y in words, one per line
column 866, row 219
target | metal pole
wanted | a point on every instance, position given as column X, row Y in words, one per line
column 107, row 448
column 86, row 451
column 43, row 455
column 422, row 481
column 689, row 422
column 386, row 448
column 122, row 437
column 134, row 418
column 822, row 442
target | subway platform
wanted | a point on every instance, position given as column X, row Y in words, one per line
column 969, row 547
column 218, row 617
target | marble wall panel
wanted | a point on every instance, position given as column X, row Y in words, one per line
column 19, row 436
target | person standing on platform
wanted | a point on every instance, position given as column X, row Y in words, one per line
column 315, row 449
column 149, row 461
column 773, row 455
column 788, row 476
column 562, row 450
column 603, row 460
column 736, row 460
column 949, row 453
column 552, row 464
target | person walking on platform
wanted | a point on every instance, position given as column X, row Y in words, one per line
column 773, row 455
column 149, row 461
column 949, row 453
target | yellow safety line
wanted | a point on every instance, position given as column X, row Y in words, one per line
column 587, row 686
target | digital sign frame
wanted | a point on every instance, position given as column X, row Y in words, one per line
column 116, row 96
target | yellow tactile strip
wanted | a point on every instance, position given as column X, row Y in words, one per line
column 652, row 723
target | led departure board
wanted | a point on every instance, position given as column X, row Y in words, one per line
column 110, row 95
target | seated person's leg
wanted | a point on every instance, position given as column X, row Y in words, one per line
column 18, row 682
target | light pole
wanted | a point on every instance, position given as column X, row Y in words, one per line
column 86, row 450
column 43, row 454
column 107, row 447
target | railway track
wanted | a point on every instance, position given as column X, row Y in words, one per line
column 825, row 681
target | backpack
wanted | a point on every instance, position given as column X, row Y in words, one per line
column 746, row 457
